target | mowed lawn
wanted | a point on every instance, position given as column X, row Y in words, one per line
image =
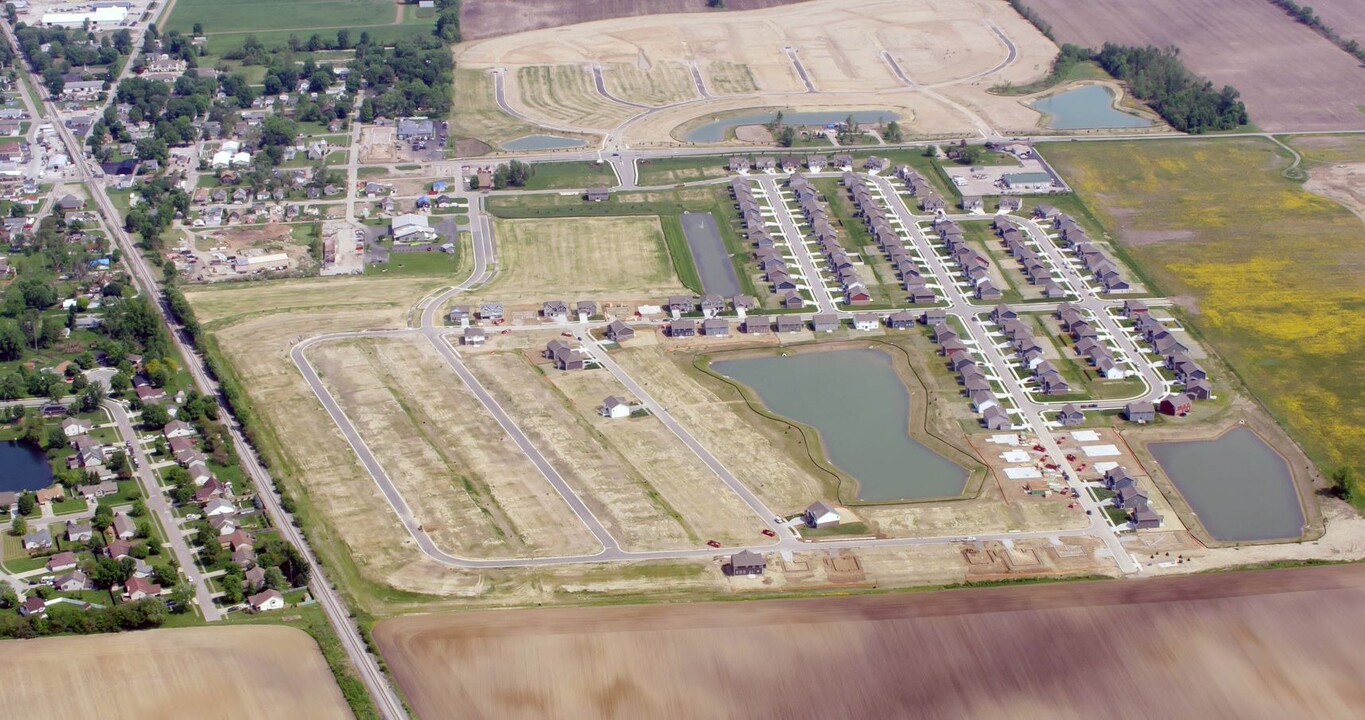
column 304, row 16
column 566, row 258
column 1277, row 273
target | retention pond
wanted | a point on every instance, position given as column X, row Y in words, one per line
column 23, row 467
column 716, row 130
column 709, row 254
column 861, row 409
column 1239, row 487
column 1085, row 108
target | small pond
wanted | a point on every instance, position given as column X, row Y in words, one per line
column 23, row 467
column 715, row 130
column 542, row 142
column 1086, row 107
column 1238, row 486
column 861, row 409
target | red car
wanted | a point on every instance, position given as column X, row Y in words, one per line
column 769, row 533
column 713, row 543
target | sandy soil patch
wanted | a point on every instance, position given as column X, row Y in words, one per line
column 1290, row 77
column 934, row 41
column 573, row 257
column 726, row 428
column 471, row 489
column 657, row 83
column 612, row 489
column 1242, row 644
column 377, row 144
column 564, row 95
column 252, row 671
column 705, row 505
column 490, row 18
column 1343, row 183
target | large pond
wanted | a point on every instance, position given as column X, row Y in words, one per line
column 542, row 142
column 861, row 409
column 1086, row 107
column 709, row 255
column 716, row 130
column 23, row 467
column 1238, row 486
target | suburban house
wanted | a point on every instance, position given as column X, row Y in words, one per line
column 789, row 324
column 1070, row 416
column 747, row 562
column 124, row 528
column 1145, row 518
column 73, row 581
column 266, row 600
column 555, row 310
column 994, row 418
column 177, row 428
column 825, row 322
column 33, row 606
column 40, row 540
column 866, row 321
column 757, row 325
column 490, row 311
column 75, row 426
column 973, row 204
column 460, row 314
column 61, row 561
column 1139, row 412
column 474, row 335
column 821, row 514
column 1176, row 405
column 138, row 588
column 901, row 320
column 585, row 309
column 715, row 327
column 79, row 532
column 597, row 193
column 1130, row 498
column 614, row 407
column 564, row 356
column 618, row 331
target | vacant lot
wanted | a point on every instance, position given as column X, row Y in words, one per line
column 1266, row 644
column 660, row 84
column 472, row 491
column 489, row 18
column 622, row 257
column 934, row 42
column 252, row 671
column 566, row 95
column 1275, row 274
column 726, row 426
column 1290, row 77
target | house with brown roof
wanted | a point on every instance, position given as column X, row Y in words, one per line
column 716, row 327
column 266, row 600
column 138, row 588
column 564, row 356
column 1070, row 416
column 618, row 331
column 61, row 561
column 746, row 562
column 1176, row 405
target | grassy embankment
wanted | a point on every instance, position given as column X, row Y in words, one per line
column 1273, row 271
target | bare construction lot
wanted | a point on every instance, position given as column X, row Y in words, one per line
column 473, row 491
column 247, row 672
column 1290, row 77
column 1271, row 644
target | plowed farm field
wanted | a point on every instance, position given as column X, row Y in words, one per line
column 1274, row 644
column 491, row 18
column 1290, row 77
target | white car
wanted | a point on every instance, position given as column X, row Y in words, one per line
column 192, row 516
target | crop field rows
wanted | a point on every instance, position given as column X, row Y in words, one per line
column 566, row 94
column 661, row 84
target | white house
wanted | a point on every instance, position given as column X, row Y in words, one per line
column 178, row 428
column 821, row 514
column 75, row 426
column 266, row 600
column 866, row 321
column 219, row 506
column 614, row 407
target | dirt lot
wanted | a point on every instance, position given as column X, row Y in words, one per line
column 1262, row 644
column 934, row 41
column 1344, row 183
column 1290, row 77
column 571, row 258
column 256, row 672
column 471, row 489
column 653, row 84
column 490, row 18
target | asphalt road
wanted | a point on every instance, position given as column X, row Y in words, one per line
column 796, row 240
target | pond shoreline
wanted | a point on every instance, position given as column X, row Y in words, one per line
column 918, row 423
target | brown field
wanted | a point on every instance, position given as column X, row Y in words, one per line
column 659, row 84
column 577, row 257
column 490, row 18
column 474, row 492
column 1290, row 77
column 1344, row 16
column 248, row 672
column 937, row 42
column 1270, row 644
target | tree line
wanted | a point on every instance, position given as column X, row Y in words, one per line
column 1187, row 102
column 1305, row 15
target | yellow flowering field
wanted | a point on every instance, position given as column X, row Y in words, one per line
column 1277, row 273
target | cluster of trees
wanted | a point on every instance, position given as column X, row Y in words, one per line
column 1305, row 15
column 73, row 620
column 1032, row 16
column 448, row 20
column 514, row 173
column 415, row 76
column 893, row 133
column 1185, row 100
column 162, row 199
column 68, row 49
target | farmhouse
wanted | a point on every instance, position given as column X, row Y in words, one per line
column 820, row 514
column 746, row 562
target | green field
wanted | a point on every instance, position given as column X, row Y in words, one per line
column 570, row 176
column 1276, row 273
column 226, row 23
